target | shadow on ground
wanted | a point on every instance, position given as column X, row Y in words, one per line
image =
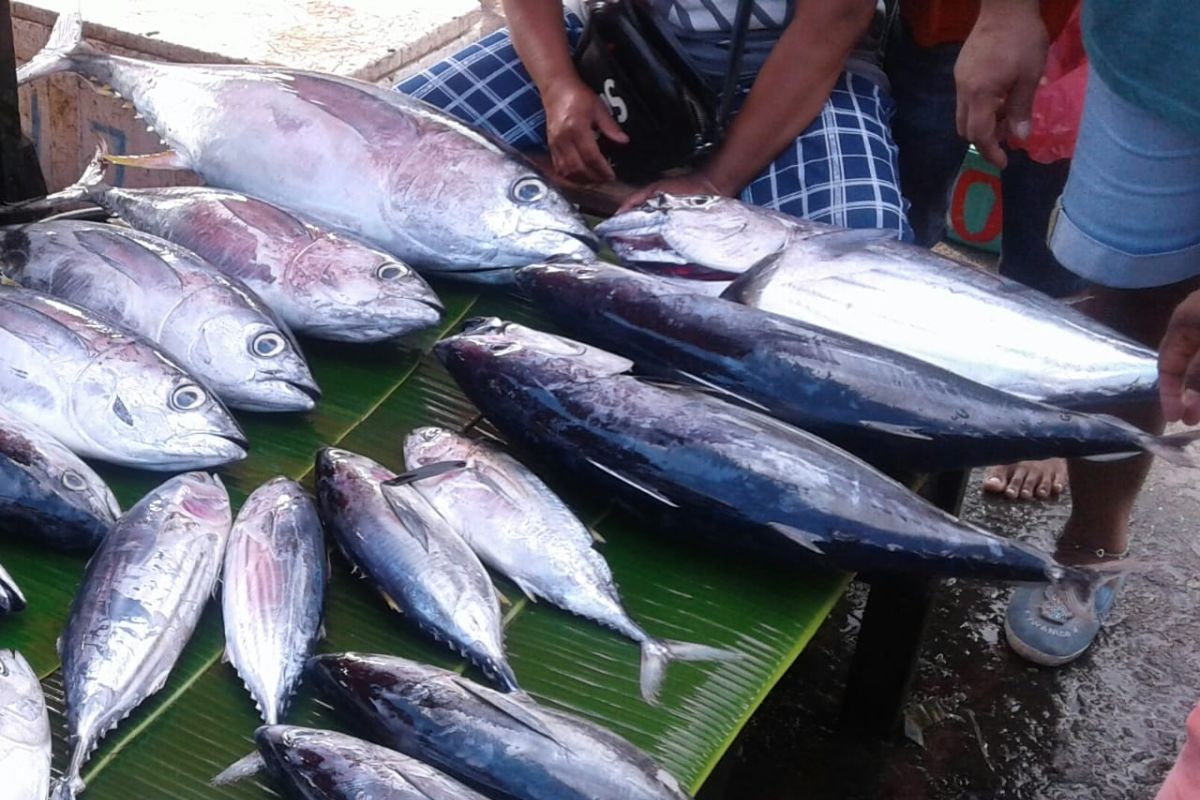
column 992, row 726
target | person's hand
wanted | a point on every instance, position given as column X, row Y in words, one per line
column 687, row 184
column 575, row 118
column 997, row 73
column 1179, row 363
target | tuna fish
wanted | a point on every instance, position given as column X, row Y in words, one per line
column 707, row 466
column 323, row 765
column 505, row 743
column 520, row 528
column 323, row 284
column 273, row 592
column 211, row 324
column 12, row 599
column 107, row 393
column 882, row 405
column 378, row 164
column 24, row 731
column 864, row 284
column 418, row 563
column 49, row 494
column 141, row 598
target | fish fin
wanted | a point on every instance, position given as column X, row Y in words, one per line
column 92, row 180
column 408, row 518
column 527, row 589
column 596, row 537
column 66, row 40
column 502, row 597
column 722, row 392
column 245, row 767
column 809, row 541
column 842, row 242
column 1174, row 448
column 391, row 603
column 225, row 659
column 66, row 789
column 631, row 482
column 658, row 653
column 511, row 708
column 424, row 472
column 906, row 431
column 7, row 281
column 167, row 159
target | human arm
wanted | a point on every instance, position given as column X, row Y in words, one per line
column 575, row 115
column 1179, row 363
column 997, row 74
column 788, row 94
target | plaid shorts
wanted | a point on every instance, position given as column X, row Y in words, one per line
column 842, row 170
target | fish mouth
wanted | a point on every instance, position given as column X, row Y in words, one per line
column 280, row 395
column 206, row 449
column 587, row 238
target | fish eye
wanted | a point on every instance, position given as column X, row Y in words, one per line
column 529, row 190
column 389, row 271
column 268, row 344
column 188, row 397
column 500, row 348
column 699, row 201
column 72, row 481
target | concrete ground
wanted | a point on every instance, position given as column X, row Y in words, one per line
column 992, row 726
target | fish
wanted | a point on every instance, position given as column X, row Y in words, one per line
column 323, row 284
column 393, row 170
column 273, row 592
column 24, row 731
column 418, row 563
column 12, row 599
column 865, row 284
column 520, row 528
column 209, row 323
column 711, row 468
column 886, row 407
column 47, row 493
column 504, row 743
column 107, row 393
column 312, row 764
column 141, row 597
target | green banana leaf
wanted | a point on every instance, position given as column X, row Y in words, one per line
column 203, row 719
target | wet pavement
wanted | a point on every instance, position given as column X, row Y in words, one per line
column 990, row 725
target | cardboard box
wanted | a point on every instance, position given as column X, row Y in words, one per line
column 373, row 40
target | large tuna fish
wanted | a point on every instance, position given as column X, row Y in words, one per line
column 141, row 598
column 520, row 528
column 323, row 284
column 47, row 493
column 312, row 764
column 273, row 592
column 24, row 731
column 211, row 324
column 12, row 599
column 882, row 405
column 865, row 284
column 398, row 172
column 419, row 564
column 104, row 392
column 504, row 742
column 706, row 465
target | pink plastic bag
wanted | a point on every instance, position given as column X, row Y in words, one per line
column 1058, row 103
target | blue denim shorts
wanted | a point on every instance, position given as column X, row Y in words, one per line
column 1129, row 217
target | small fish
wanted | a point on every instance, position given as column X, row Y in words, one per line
column 106, row 393
column 520, row 528
column 24, row 731
column 865, row 284
column 323, row 284
column 140, row 600
column 208, row 322
column 420, row 565
column 11, row 598
column 314, row 764
column 390, row 169
column 505, row 743
column 49, row 494
column 273, row 592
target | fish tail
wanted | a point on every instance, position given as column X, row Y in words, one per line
column 1174, row 449
column 1084, row 581
column 503, row 674
column 658, row 653
column 66, row 42
column 90, row 183
column 68, row 786
column 245, row 767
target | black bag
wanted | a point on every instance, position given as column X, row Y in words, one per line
column 672, row 116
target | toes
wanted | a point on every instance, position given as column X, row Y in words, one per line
column 995, row 480
column 1016, row 482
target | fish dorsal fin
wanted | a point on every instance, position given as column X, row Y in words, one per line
column 808, row 541
column 907, row 431
column 631, row 482
column 510, row 708
column 838, row 243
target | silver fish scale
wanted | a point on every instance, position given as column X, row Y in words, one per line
column 24, row 731
column 273, row 592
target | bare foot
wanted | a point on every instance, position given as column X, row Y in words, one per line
column 1028, row 479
